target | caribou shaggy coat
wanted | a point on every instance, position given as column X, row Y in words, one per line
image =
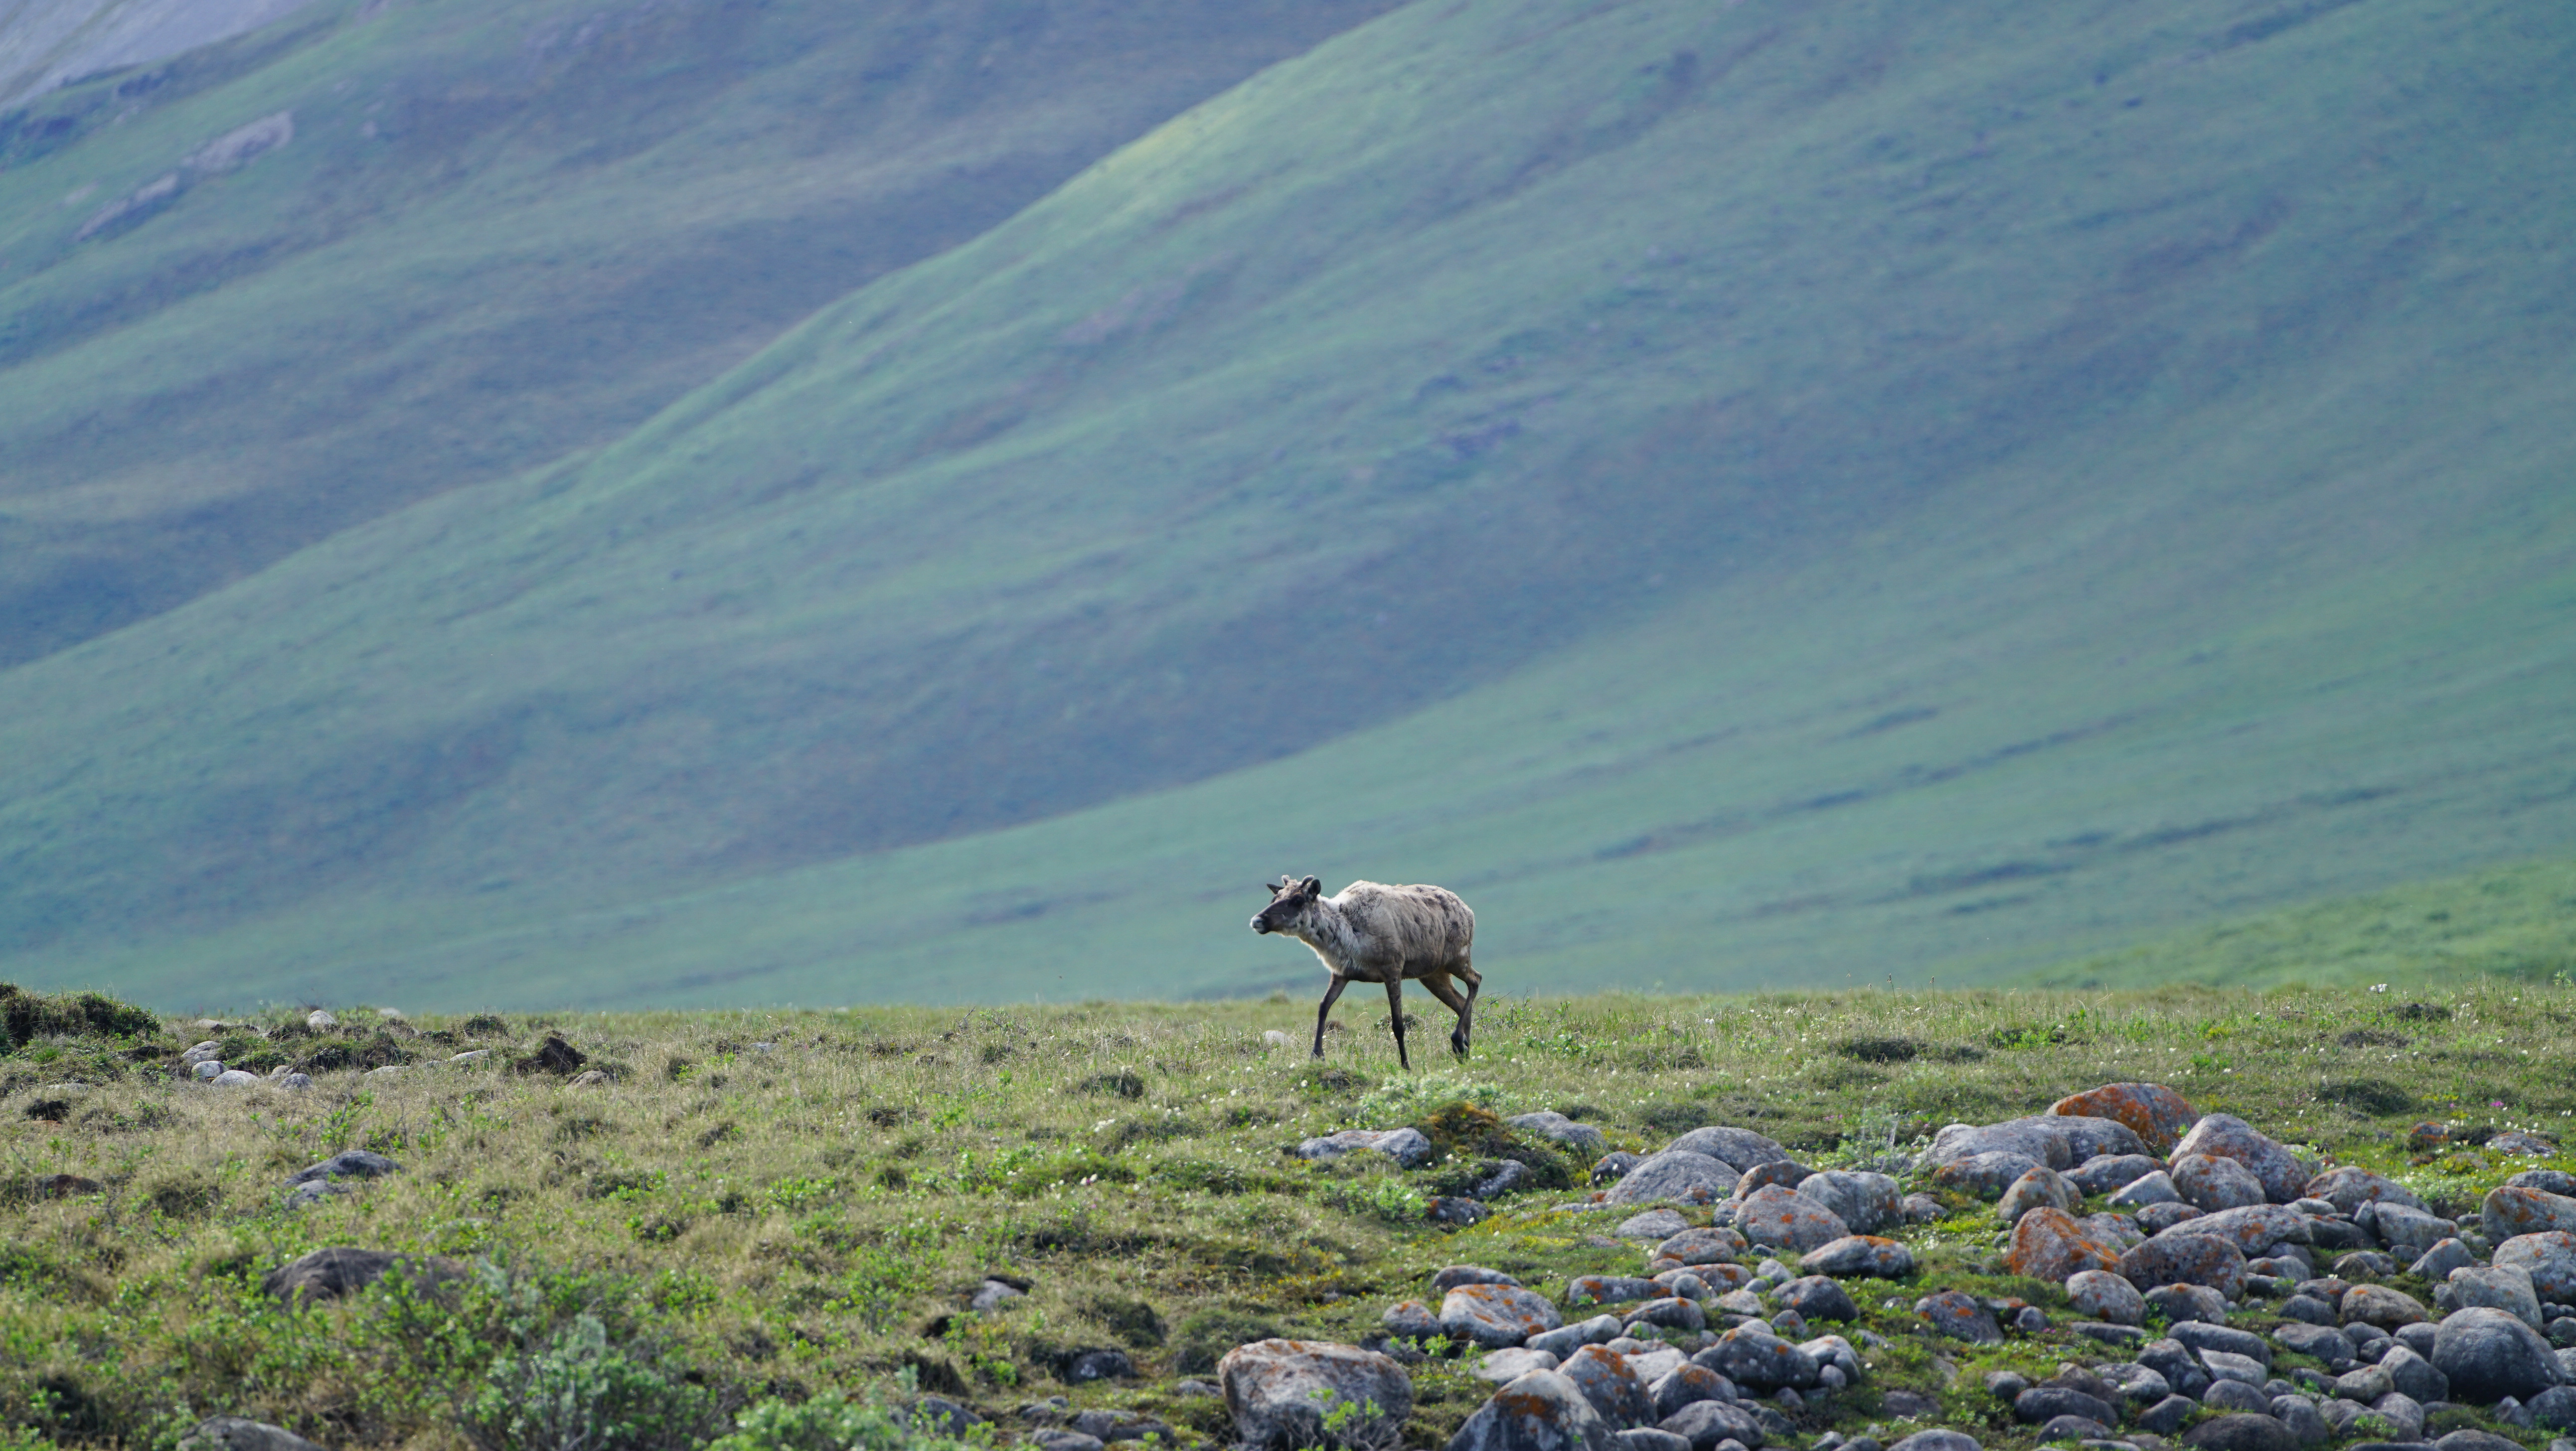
column 1372, row 932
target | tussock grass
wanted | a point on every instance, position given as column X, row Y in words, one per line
column 764, row 1207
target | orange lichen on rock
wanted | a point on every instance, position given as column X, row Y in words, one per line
column 2152, row 1111
column 2051, row 1244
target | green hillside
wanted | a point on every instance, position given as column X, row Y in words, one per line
column 481, row 235
column 1748, row 497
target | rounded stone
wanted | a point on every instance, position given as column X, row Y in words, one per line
column 1708, row 1425
column 2349, row 1188
column 2104, row 1295
column 2156, row 1114
column 1760, row 1361
column 2177, row 1258
column 2488, row 1355
column 1541, row 1411
column 1581, row 1138
column 1986, row 1175
column 1960, row 1316
column 1702, row 1247
column 2549, row 1257
column 1815, row 1297
column 2041, row 1188
column 1281, row 1391
column 1607, row 1381
column 2050, row 1244
column 2241, row 1431
column 1738, row 1149
column 2284, row 1175
column 2207, row 1181
column 1496, row 1316
column 1788, row 1219
column 1937, row 1439
column 1677, row 1174
column 2109, row 1172
column 2146, row 1189
column 2381, row 1306
column 2513, row 1211
column 1866, row 1202
column 1858, row 1255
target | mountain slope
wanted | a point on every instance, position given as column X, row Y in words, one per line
column 1872, row 488
column 258, row 292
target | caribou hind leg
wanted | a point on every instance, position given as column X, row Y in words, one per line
column 1463, row 1004
column 1324, row 1011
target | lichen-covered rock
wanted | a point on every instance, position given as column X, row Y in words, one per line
column 2404, row 1228
column 2349, row 1188
column 1687, row 1384
column 1281, row 1391
column 1541, row 1411
column 2381, row 1306
column 1707, row 1425
column 2060, row 1141
column 1496, row 1316
column 2284, row 1175
column 1656, row 1224
column 2253, row 1229
column 1960, row 1316
column 1937, row 1440
column 2502, row 1287
column 2436, row 1264
column 1816, row 1297
column 2316, row 1341
column 1678, row 1174
column 1452, row 1276
column 1564, row 1340
column 1985, row 1175
column 1739, row 1149
column 1502, row 1367
column 2213, row 1183
column 2413, row 1376
column 2209, row 1339
column 2180, row 1303
column 2549, row 1257
column 2106, row 1173
column 1702, row 1247
column 2513, row 1211
column 1410, row 1320
column 1788, row 1219
column 2146, row 1189
column 1406, row 1146
column 2050, row 1244
column 2179, row 1258
column 2046, row 1403
column 1673, row 1312
column 2157, row 1218
column 2155, row 1113
column 1866, row 1202
column 2104, row 1295
column 1651, row 1438
column 1610, row 1290
column 2489, row 1357
column 1581, row 1138
column 2041, row 1188
column 1612, row 1387
column 1758, row 1360
column 1859, row 1254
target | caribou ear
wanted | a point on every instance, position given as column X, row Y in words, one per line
column 1314, row 887
column 1271, row 887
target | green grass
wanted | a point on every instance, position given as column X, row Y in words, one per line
column 1747, row 500
column 751, row 1225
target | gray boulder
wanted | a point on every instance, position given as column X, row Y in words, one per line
column 1496, row 1316
column 2214, row 1183
column 2104, row 1173
column 2549, row 1257
column 1706, row 1425
column 1450, row 1277
column 1541, row 1411
column 1788, row 1219
column 1937, row 1440
column 312, row 1192
column 235, row 1433
column 2554, row 1409
column 2436, row 1263
column 2503, row 1287
column 2488, row 1354
column 1653, row 1224
column 2146, row 1189
column 1678, row 1174
column 1502, row 1367
column 1760, row 1361
column 2205, row 1338
column 1687, row 1384
column 2241, row 1431
column 2284, row 1175
column 328, row 1274
column 1739, row 1149
column 1280, row 1391
column 1567, row 1339
column 1868, row 1203
column 1611, row 1385
column 347, row 1164
column 1817, row 1297
column 2040, row 1188
column 1406, row 1146
column 2399, row 1225
column 1653, row 1438
column 2347, row 1189
column 2253, row 1229
column 1582, row 1139
column 2412, row 1376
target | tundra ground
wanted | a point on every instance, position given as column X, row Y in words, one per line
column 752, row 1207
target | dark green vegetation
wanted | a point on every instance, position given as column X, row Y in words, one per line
column 725, row 1223
column 1743, row 494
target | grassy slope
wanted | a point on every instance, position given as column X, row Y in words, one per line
column 810, row 1217
column 2192, row 463
column 501, row 233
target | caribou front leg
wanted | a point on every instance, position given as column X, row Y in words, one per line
column 1324, row 1010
